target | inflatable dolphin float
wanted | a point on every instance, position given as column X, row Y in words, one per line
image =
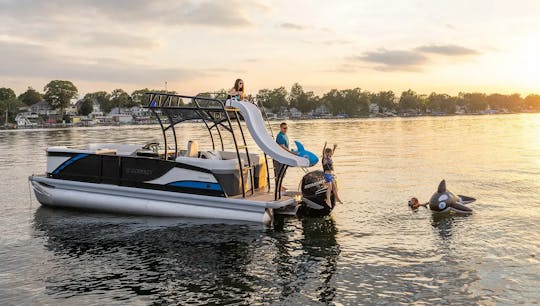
column 445, row 201
column 301, row 151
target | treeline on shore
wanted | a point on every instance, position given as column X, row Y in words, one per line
column 353, row 102
column 357, row 102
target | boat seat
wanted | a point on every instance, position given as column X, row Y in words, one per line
column 192, row 149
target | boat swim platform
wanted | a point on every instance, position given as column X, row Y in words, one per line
column 266, row 196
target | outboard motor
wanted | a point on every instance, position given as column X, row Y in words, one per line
column 314, row 196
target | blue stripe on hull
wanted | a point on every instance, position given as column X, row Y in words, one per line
column 197, row 185
column 69, row 162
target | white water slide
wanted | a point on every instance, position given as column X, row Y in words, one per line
column 257, row 129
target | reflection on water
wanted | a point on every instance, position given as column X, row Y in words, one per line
column 373, row 250
column 172, row 261
column 443, row 224
column 302, row 258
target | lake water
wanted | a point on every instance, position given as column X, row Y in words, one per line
column 372, row 250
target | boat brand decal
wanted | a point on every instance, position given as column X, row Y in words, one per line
column 138, row 171
column 197, row 185
column 321, row 182
column 69, row 162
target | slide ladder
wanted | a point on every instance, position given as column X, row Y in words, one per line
column 249, row 167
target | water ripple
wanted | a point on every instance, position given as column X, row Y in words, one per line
column 373, row 250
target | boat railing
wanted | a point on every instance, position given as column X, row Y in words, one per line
column 170, row 109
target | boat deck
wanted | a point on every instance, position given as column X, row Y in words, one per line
column 258, row 196
column 265, row 196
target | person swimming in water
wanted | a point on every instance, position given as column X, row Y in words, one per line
column 414, row 203
column 445, row 201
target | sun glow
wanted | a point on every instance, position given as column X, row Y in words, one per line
column 525, row 67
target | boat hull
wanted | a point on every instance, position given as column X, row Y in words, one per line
column 137, row 201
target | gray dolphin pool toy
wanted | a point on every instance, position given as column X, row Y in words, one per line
column 445, row 201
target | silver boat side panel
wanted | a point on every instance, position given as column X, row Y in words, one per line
column 180, row 174
column 54, row 162
column 137, row 201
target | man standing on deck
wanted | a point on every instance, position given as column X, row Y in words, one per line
column 283, row 140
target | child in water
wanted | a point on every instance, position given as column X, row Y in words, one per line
column 329, row 178
column 414, row 203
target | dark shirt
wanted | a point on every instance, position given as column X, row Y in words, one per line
column 328, row 164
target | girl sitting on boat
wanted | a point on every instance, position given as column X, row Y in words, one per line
column 237, row 92
column 329, row 178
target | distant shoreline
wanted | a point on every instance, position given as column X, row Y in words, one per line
column 70, row 125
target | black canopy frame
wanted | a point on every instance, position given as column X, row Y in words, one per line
column 214, row 113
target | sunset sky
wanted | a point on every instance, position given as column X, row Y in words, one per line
column 194, row 46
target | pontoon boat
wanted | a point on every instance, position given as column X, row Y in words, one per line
column 163, row 180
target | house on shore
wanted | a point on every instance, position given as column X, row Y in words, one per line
column 121, row 115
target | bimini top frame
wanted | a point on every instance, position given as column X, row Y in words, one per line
column 211, row 111
column 214, row 114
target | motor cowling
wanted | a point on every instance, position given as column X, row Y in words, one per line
column 314, row 195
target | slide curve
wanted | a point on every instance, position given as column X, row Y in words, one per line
column 257, row 129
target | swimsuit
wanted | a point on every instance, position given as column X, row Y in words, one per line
column 328, row 166
column 328, row 177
